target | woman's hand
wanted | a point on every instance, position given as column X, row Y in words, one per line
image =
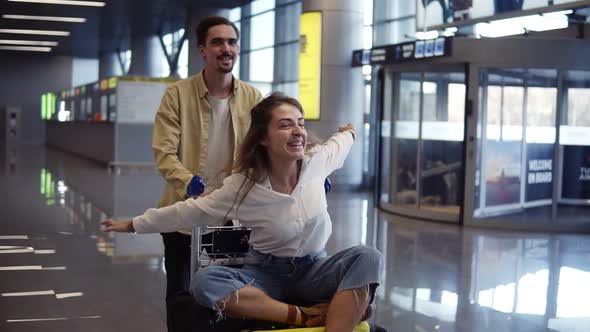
column 348, row 127
column 118, row 226
column 345, row 128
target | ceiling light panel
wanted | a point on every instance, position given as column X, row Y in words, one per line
column 36, row 32
column 65, row 2
column 27, row 42
column 46, row 18
column 25, row 48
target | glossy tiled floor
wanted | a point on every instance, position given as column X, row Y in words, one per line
column 59, row 272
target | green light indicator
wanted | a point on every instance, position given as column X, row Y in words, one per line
column 43, row 107
column 48, row 185
column 43, row 171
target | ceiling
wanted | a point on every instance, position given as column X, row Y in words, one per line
column 107, row 28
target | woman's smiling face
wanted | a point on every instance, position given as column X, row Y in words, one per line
column 286, row 137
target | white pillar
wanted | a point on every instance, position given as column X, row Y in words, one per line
column 341, row 92
column 147, row 56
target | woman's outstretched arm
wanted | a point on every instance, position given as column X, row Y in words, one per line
column 118, row 226
column 207, row 210
column 336, row 148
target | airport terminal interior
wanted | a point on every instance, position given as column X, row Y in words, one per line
column 470, row 170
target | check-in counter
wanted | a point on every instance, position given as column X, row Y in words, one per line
column 110, row 121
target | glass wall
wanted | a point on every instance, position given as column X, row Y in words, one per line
column 394, row 21
column 268, row 50
column 442, row 141
column 182, row 66
column 286, row 56
column 256, row 22
column 528, row 171
column 518, row 121
column 425, row 167
column 501, row 166
column 574, row 148
column 575, row 138
column 261, row 44
column 270, row 41
column 405, row 138
column 171, row 42
column 235, row 15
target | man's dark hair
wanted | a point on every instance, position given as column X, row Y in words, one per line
column 211, row 21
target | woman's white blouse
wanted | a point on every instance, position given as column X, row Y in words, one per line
column 283, row 225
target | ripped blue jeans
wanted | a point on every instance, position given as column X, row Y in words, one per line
column 306, row 280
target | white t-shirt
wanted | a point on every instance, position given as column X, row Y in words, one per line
column 221, row 144
column 283, row 225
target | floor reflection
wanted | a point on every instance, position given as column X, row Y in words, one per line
column 437, row 277
column 443, row 278
column 85, row 217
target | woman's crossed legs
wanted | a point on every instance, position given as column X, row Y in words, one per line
column 262, row 290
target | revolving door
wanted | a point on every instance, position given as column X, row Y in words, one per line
column 492, row 135
column 424, row 138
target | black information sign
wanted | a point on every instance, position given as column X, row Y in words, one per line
column 576, row 172
column 374, row 56
column 410, row 51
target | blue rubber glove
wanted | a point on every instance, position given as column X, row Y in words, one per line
column 195, row 187
column 327, row 185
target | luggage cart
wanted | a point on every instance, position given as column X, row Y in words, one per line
column 227, row 245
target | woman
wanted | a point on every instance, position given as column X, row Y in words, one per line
column 277, row 189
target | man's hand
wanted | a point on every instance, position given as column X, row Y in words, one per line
column 118, row 226
column 327, row 185
column 195, row 188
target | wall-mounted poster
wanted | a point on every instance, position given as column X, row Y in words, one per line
column 310, row 64
column 503, row 172
column 576, row 172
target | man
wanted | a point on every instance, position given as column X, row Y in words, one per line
column 200, row 124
